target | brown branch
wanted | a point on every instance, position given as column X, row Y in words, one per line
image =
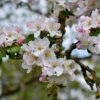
column 53, row 92
column 98, row 88
column 85, row 69
column 90, row 81
column 68, row 52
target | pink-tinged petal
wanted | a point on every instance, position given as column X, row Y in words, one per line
column 21, row 40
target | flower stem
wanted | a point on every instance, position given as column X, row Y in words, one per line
column 54, row 92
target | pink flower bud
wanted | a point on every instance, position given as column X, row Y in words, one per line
column 21, row 40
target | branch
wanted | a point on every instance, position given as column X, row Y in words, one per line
column 53, row 91
column 98, row 88
column 90, row 80
column 68, row 52
column 85, row 69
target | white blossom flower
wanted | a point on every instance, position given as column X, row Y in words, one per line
column 53, row 27
column 33, row 52
column 63, row 74
column 29, row 58
column 94, row 46
column 69, row 67
column 54, row 67
column 58, row 67
column 95, row 19
column 29, row 61
column 86, row 22
column 47, row 56
column 83, row 41
column 36, row 26
column 82, row 6
column 36, row 47
column 39, row 46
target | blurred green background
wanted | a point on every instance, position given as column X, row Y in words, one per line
column 16, row 84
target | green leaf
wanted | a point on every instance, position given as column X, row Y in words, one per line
column 67, row 13
column 95, row 32
column 29, row 38
column 2, row 54
column 14, row 51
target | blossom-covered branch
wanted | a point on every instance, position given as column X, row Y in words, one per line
column 49, row 42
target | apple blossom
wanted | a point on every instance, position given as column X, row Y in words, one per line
column 46, row 39
column 53, row 27
column 95, row 19
column 10, row 35
column 95, row 45
column 36, row 26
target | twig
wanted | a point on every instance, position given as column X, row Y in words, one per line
column 85, row 69
column 68, row 52
column 53, row 92
column 90, row 81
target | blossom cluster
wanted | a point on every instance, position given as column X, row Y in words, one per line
column 42, row 23
column 41, row 50
column 38, row 53
column 85, row 28
column 11, row 34
column 79, row 7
